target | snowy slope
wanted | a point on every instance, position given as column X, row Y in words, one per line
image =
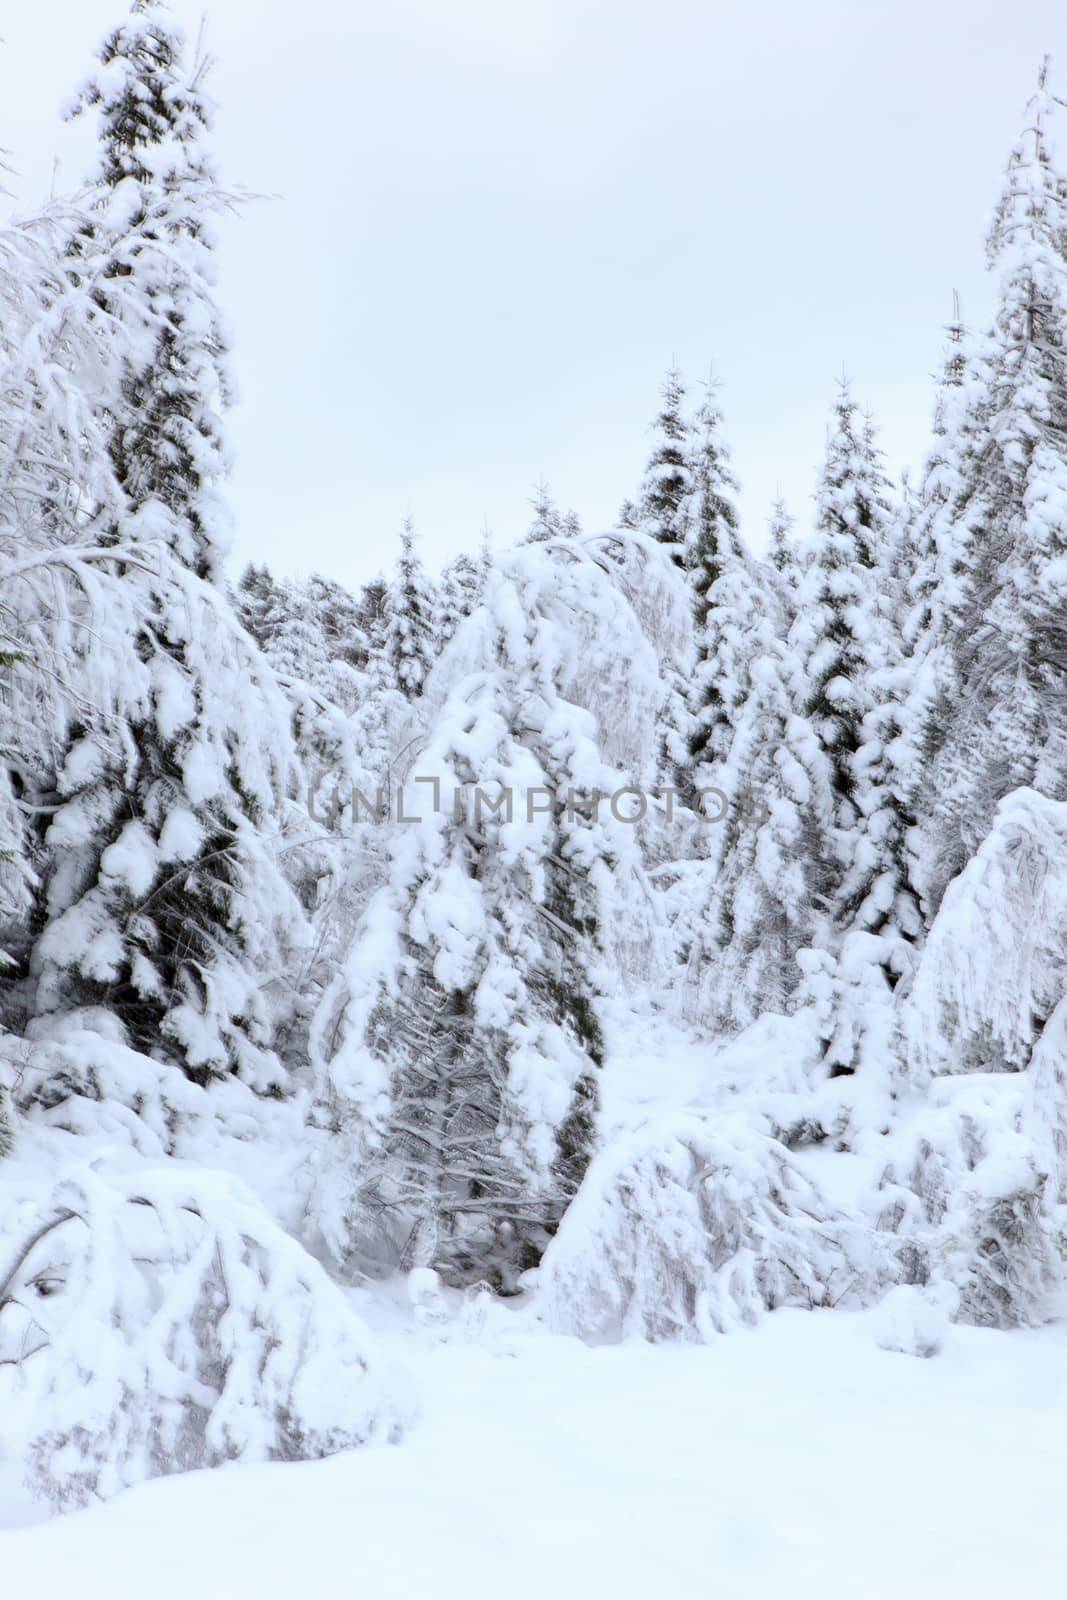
column 796, row 1460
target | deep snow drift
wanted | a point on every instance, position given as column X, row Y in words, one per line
column 799, row 1458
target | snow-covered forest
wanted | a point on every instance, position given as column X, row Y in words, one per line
column 617, row 936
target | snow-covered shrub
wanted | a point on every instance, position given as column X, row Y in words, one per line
column 75, row 1074
column 1045, row 1101
column 159, row 1321
column 968, row 1187
column 846, row 999
column 992, row 968
column 76, row 1092
column 913, row 1321
column 690, row 1228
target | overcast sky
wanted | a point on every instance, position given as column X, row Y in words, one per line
column 496, row 224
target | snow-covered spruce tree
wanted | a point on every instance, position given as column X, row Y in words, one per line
column 255, row 598
column 1003, row 572
column 721, row 580
column 814, row 848
column 547, row 518
column 311, row 632
column 349, row 722
column 734, row 709
column 991, row 970
column 66, row 626
column 783, row 559
column 928, row 575
column 409, row 645
column 849, row 632
column 460, row 1047
column 460, row 590
column 165, row 901
column 922, row 531
column 970, row 1192
column 666, row 478
column 150, row 242
column 790, row 771
column 757, row 912
column 838, row 635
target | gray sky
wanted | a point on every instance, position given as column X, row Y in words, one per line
column 497, row 223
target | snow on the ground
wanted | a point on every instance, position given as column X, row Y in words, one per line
column 796, row 1460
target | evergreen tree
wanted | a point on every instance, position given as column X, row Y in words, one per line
column 666, row 478
column 255, row 599
column 149, row 242
column 462, row 586
column 409, row 644
column 165, row 901
column 721, row 579
column 1002, row 568
column 783, row 558
column 547, row 522
column 758, row 910
column 926, row 541
column 838, row 634
column 817, row 844
column 923, row 517
column 466, row 1036
column 310, row 631
column 65, row 625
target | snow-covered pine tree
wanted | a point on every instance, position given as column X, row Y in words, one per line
column 169, row 1323
column 370, row 612
column 460, row 1046
column 847, row 638
column 928, row 570
column 65, row 627
column 547, row 520
column 151, row 243
column 255, row 599
column 310, row 631
column 922, row 529
column 878, row 895
column 722, row 582
column 756, row 911
column 166, row 901
column 409, row 645
column 815, row 847
column 666, row 478
column 839, row 635
column 783, row 559
column 1003, row 569
column 460, row 590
